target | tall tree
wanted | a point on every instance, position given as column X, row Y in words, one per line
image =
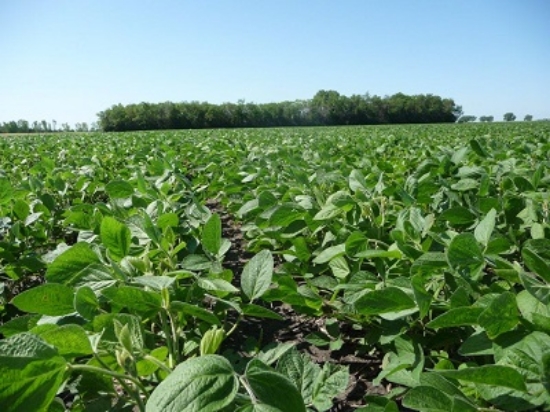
column 509, row 117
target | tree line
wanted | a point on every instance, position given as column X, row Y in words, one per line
column 326, row 108
column 24, row 126
column 508, row 117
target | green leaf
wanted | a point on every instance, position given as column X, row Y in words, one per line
column 260, row 312
column 458, row 216
column 211, row 341
column 497, row 375
column 71, row 265
column 6, row 191
column 500, row 316
column 465, row 184
column 536, row 255
column 464, row 251
column 86, row 303
column 272, row 388
column 339, row 267
column 196, row 311
column 422, row 297
column 207, row 383
column 461, row 316
column 168, row 220
column 390, row 299
column 257, row 275
column 380, row 253
column 427, row 399
column 484, row 229
column 214, row 284
column 429, row 262
column 31, row 371
column 301, row 370
column 285, row 214
column 212, row 234
column 118, row 189
column 116, row 237
column 332, row 381
column 69, row 340
column 330, row 253
column 478, row 149
column 139, row 300
column 51, row 299
column 477, row 344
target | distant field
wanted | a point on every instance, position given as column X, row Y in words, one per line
column 283, row 269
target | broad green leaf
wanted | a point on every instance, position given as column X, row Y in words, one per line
column 86, row 303
column 464, row 185
column 478, row 344
column 464, row 251
column 285, row 214
column 460, row 316
column 116, row 237
column 207, row 383
column 379, row 253
column 301, row 370
column 328, row 211
column 478, row 149
column 458, row 216
column 136, row 299
column 211, row 341
column 339, row 267
column 260, row 312
column 6, row 191
column 301, row 248
column 390, row 299
column 330, row 253
column 69, row 340
column 257, row 275
column 427, row 399
column 212, row 234
column 167, row 220
column 497, row 375
column 215, row 284
column 430, row 262
column 51, row 299
column 196, row 311
column 484, row 229
column 422, row 297
column 536, row 255
column 540, row 290
column 70, row 266
column 272, row 388
column 31, row 371
column 500, row 316
column 118, row 189
column 332, row 381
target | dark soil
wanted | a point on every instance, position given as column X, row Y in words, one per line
column 295, row 327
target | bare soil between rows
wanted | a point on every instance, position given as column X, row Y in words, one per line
column 295, row 327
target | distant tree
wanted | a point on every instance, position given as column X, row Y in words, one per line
column 528, row 118
column 466, row 119
column 54, row 125
column 486, row 118
column 509, row 117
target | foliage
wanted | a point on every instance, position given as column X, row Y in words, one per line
column 324, row 109
column 486, row 118
column 467, row 119
column 431, row 242
column 509, row 117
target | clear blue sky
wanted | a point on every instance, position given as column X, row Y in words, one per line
column 69, row 59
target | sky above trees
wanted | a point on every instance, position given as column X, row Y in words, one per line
column 68, row 60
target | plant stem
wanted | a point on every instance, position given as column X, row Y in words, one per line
column 119, row 377
column 168, row 337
